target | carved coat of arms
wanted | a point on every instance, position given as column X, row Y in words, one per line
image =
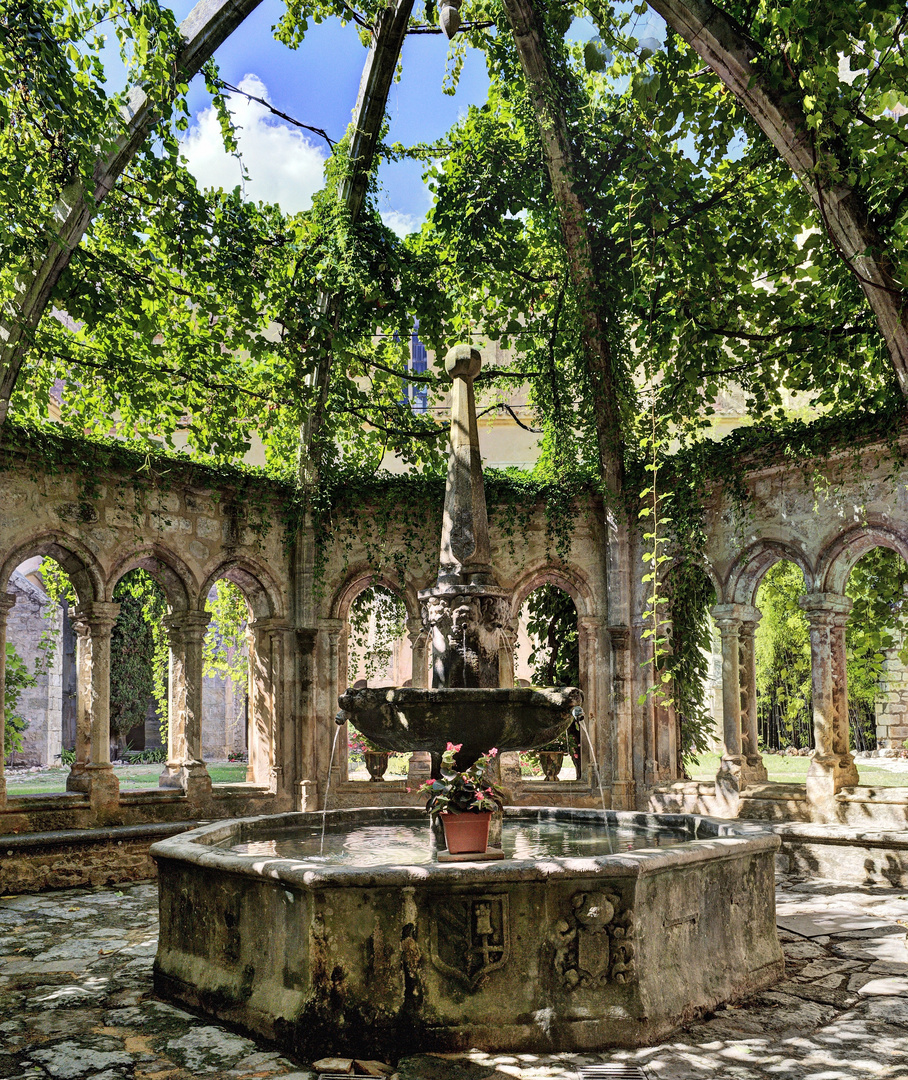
column 595, row 942
column 470, row 936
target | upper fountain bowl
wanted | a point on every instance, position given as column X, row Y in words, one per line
column 415, row 719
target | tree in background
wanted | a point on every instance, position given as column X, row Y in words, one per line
column 877, row 624
column 18, row 678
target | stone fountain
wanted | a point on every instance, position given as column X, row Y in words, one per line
column 464, row 614
column 559, row 948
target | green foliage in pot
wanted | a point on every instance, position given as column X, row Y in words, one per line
column 461, row 791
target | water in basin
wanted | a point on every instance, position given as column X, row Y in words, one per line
column 411, row 843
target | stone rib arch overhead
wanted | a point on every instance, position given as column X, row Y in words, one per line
column 168, row 570
column 839, row 558
column 749, row 568
column 77, row 560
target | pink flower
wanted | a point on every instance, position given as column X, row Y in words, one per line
column 493, row 752
column 456, row 748
column 409, row 790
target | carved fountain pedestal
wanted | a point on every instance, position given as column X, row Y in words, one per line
column 464, row 614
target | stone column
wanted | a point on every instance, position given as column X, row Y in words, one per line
column 305, row 711
column 731, row 778
column 506, row 642
column 268, row 721
column 623, row 787
column 332, row 629
column 595, row 751
column 419, row 768
column 93, row 772
column 754, row 771
column 832, row 766
column 185, row 766
column 419, row 646
column 6, row 605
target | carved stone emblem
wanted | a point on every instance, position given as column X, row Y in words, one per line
column 470, row 936
column 594, row 944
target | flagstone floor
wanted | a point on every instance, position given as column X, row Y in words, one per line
column 76, row 1002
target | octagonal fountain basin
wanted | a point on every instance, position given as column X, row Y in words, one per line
column 409, row 718
column 597, row 929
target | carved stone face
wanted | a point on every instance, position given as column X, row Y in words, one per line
column 434, row 611
column 463, row 615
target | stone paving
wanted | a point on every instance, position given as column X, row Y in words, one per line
column 76, row 1002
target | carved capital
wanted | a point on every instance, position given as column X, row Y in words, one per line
column 825, row 609
column 7, row 603
column 619, row 638
column 96, row 618
column 187, row 626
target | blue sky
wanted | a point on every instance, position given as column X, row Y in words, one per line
column 317, row 84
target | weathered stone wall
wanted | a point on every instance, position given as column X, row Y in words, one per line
column 892, row 705
column 41, row 706
column 75, row 859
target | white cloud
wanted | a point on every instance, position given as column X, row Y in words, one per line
column 402, row 224
column 284, row 166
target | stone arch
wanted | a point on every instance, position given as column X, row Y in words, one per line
column 838, row 559
column 362, row 578
column 77, row 560
column 747, row 572
column 168, row 570
column 565, row 578
column 255, row 582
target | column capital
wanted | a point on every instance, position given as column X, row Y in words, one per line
column 269, row 626
column 7, row 603
column 96, row 616
column 823, row 607
column 620, row 637
column 331, row 626
column 306, row 637
column 187, row 623
column 741, row 613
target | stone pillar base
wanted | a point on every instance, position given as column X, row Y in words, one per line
column 308, row 795
column 753, row 771
column 624, row 795
column 77, row 780
column 826, row 776
column 729, row 783
column 191, row 776
column 419, row 769
column 103, row 789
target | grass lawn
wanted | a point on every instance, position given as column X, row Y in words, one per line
column 131, row 777
column 793, row 770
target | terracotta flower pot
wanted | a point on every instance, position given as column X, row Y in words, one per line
column 377, row 763
column 466, row 832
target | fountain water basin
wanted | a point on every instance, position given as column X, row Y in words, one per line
column 406, row 718
column 550, row 952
